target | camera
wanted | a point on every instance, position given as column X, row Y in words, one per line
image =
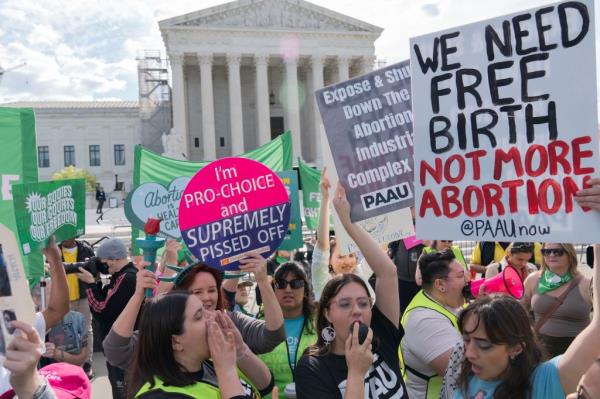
column 92, row 265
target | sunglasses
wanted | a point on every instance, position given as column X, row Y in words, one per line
column 582, row 393
column 553, row 251
column 294, row 284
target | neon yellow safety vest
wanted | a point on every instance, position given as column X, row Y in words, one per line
column 434, row 382
column 200, row 389
column 278, row 360
column 457, row 254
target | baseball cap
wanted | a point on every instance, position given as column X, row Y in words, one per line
column 113, row 248
column 67, row 381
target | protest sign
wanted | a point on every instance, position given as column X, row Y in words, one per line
column 231, row 207
column 311, row 196
column 507, row 125
column 293, row 238
column 15, row 301
column 19, row 165
column 384, row 228
column 49, row 208
column 155, row 169
column 368, row 121
column 156, row 200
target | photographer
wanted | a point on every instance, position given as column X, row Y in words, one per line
column 74, row 252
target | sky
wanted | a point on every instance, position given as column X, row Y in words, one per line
column 86, row 50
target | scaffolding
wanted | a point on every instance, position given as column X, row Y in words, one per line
column 155, row 99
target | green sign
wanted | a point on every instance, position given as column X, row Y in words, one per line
column 18, row 165
column 161, row 173
column 49, row 208
column 293, row 238
column 311, row 194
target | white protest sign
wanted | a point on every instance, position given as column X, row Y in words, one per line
column 506, row 127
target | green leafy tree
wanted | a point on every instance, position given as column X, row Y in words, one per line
column 71, row 172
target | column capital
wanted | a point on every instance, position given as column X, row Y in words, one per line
column 233, row 59
column 317, row 60
column 290, row 61
column 261, row 59
column 367, row 63
column 205, row 59
column 344, row 59
column 176, row 59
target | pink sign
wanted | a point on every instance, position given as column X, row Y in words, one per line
column 231, row 207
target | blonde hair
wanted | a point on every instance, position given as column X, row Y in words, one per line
column 571, row 257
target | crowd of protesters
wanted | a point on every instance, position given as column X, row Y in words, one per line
column 394, row 322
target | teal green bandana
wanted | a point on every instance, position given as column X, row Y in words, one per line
column 280, row 260
column 551, row 281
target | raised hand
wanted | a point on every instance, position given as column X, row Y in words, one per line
column 590, row 197
column 254, row 263
column 52, row 252
column 341, row 204
column 324, row 185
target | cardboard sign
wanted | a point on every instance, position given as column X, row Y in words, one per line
column 293, row 238
column 384, row 229
column 49, row 208
column 369, row 126
column 156, row 200
column 231, row 207
column 15, row 301
column 507, row 124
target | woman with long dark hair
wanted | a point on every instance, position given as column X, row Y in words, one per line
column 262, row 336
column 504, row 360
column 178, row 338
column 341, row 364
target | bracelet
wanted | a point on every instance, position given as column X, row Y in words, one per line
column 41, row 389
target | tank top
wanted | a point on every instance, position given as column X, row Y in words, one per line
column 568, row 320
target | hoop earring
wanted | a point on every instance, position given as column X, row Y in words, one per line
column 328, row 334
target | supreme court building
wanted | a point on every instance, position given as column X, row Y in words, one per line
column 245, row 71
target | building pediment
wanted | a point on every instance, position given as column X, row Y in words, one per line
column 271, row 14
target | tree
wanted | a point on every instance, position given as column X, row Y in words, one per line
column 71, row 172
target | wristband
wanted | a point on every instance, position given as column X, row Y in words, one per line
column 41, row 389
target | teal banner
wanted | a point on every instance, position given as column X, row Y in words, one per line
column 293, row 238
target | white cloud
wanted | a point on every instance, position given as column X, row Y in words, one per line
column 87, row 49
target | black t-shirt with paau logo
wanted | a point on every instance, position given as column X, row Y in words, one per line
column 325, row 376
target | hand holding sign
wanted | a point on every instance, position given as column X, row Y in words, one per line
column 256, row 264
column 52, row 252
column 341, row 205
column 324, row 185
column 590, row 197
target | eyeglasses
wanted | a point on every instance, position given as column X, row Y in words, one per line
column 447, row 241
column 347, row 303
column 553, row 251
column 294, row 284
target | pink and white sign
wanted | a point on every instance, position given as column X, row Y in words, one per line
column 231, row 207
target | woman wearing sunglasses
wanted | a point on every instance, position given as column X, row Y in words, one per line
column 340, row 365
column 295, row 298
column 559, row 297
